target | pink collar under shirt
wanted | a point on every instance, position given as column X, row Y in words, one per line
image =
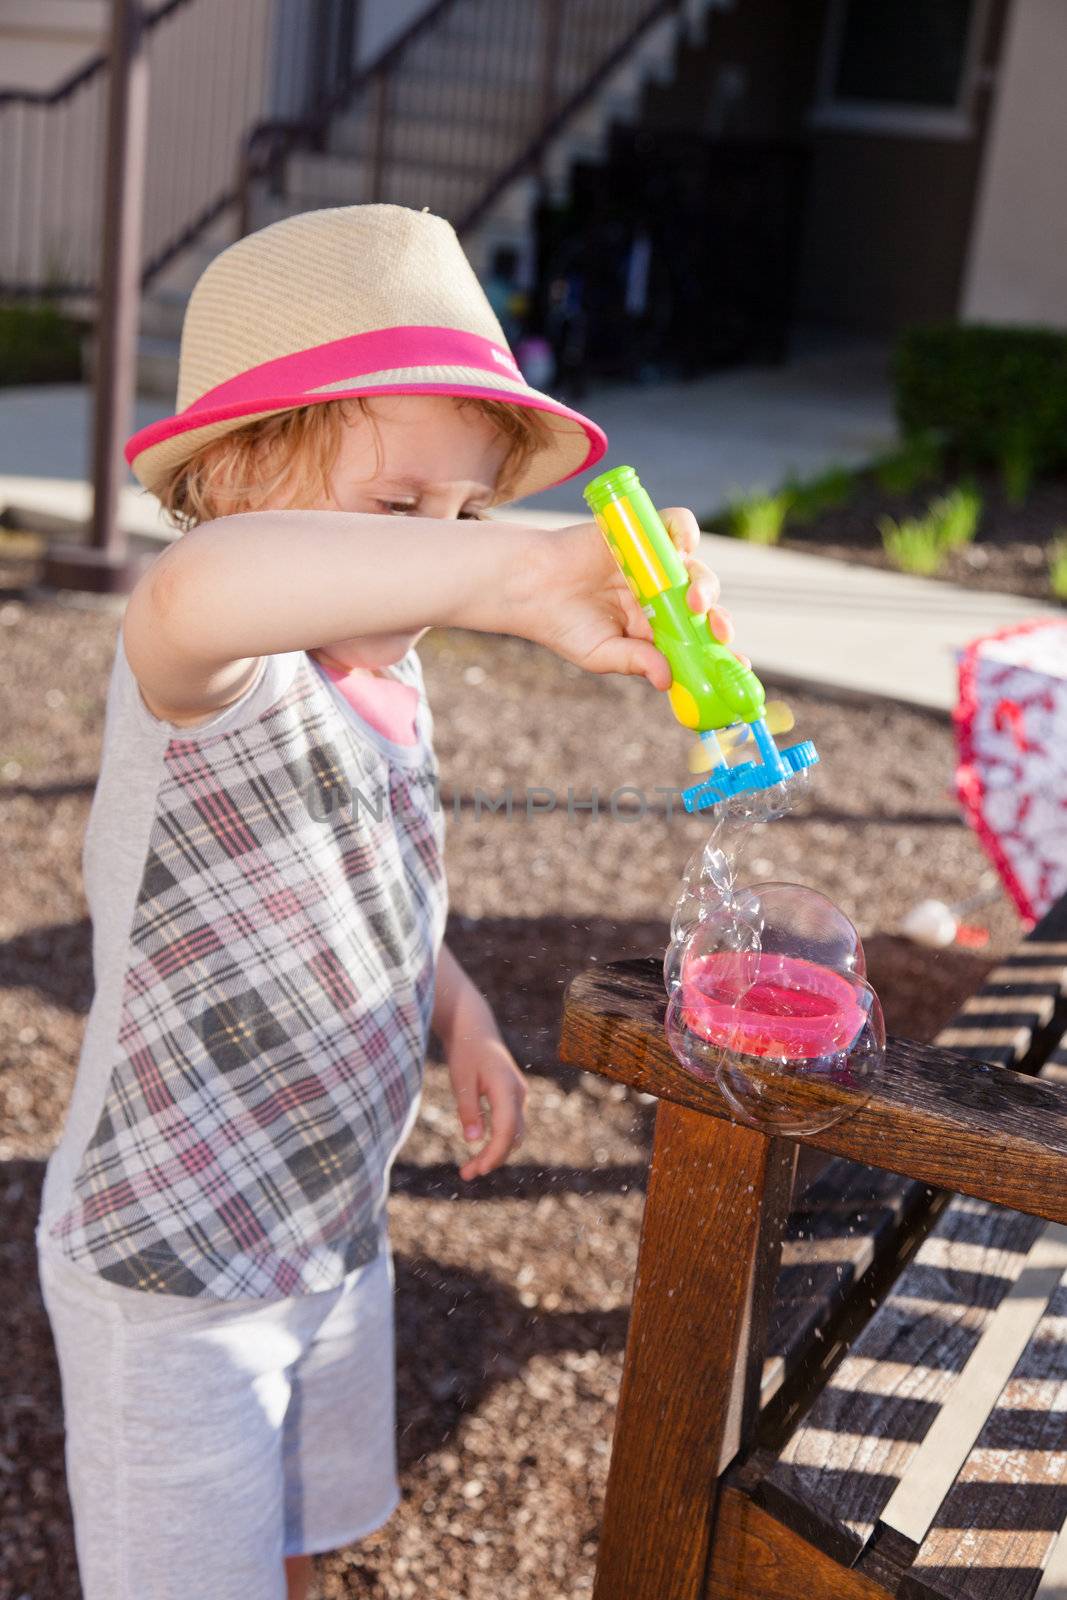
column 388, row 705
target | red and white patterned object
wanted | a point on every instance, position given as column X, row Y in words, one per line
column 1011, row 732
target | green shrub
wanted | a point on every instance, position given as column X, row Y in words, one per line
column 38, row 345
column 1057, row 565
column 1017, row 466
column 913, row 545
column 955, row 516
column 917, row 460
column 808, row 500
column 999, row 394
column 759, row 518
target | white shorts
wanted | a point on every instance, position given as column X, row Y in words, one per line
column 206, row 1440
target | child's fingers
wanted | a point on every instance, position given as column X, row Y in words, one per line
column 506, row 1116
column 637, row 657
column 637, row 624
column 468, row 1108
column 721, row 624
column 682, row 527
column 703, row 588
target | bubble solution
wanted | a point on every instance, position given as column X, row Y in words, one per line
column 767, row 986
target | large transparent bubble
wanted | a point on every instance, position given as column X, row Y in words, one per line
column 767, row 990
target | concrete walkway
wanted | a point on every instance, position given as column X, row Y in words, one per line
column 837, row 625
column 45, row 454
column 704, row 443
column 695, row 444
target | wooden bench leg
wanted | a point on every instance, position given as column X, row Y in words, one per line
column 718, row 1194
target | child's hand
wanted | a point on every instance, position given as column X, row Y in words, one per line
column 481, row 1066
column 581, row 607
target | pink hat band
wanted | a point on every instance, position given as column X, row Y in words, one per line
column 345, row 302
column 330, row 370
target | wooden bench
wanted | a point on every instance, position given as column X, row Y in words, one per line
column 861, row 1390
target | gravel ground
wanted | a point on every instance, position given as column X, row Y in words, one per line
column 1010, row 552
column 512, row 1294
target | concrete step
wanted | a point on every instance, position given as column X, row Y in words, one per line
column 322, row 180
column 181, row 274
column 157, row 366
column 475, row 27
column 334, row 181
column 163, row 311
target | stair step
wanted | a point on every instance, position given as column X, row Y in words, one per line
column 163, row 311
column 477, row 26
column 157, row 366
column 320, row 180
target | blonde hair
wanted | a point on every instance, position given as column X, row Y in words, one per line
column 293, row 453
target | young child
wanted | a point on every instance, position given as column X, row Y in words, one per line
column 263, row 869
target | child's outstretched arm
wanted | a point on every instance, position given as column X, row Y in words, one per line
column 258, row 583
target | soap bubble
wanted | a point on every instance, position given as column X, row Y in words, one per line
column 732, row 926
column 768, row 988
column 837, row 1043
column 802, row 922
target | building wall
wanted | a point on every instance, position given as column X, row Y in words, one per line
column 44, row 41
column 885, row 235
column 889, row 217
column 1017, row 271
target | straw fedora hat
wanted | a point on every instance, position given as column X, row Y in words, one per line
column 349, row 300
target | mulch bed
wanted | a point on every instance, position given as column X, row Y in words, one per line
column 1009, row 553
column 512, row 1293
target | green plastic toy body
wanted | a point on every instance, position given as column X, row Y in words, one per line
column 711, row 688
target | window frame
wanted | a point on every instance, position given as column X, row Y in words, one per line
column 893, row 117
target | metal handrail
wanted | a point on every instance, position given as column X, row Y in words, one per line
column 268, row 144
column 278, row 137
column 188, row 195
column 536, row 148
column 98, row 63
column 52, row 147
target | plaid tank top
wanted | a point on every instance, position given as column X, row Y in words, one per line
column 275, row 1007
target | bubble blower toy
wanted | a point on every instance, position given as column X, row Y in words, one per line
column 713, row 693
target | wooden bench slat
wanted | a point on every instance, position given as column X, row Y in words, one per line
column 839, row 1226
column 755, row 1558
column 1053, row 1585
column 941, row 1456
column 996, row 1528
column 860, row 1210
column 930, row 1114
column 842, row 1467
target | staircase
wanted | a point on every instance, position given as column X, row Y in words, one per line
column 478, row 112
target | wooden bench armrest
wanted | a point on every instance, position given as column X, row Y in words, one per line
column 932, row 1114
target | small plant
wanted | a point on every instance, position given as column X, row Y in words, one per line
column 808, row 500
column 917, row 461
column 913, row 545
column 1057, row 565
column 1018, row 465
column 38, row 345
column 760, row 518
column 955, row 516
column 984, row 388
